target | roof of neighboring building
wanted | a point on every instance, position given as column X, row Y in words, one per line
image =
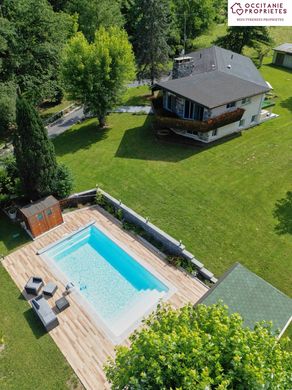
column 219, row 76
column 252, row 297
column 38, row 206
column 286, row 47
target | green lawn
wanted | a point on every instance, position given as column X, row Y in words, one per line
column 137, row 96
column 30, row 358
column 220, row 201
column 51, row 109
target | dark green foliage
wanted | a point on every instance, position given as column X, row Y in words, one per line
column 10, row 186
column 93, row 14
column 239, row 37
column 35, row 156
column 34, row 152
column 63, row 182
column 150, row 37
column 32, row 36
column 7, row 108
column 200, row 14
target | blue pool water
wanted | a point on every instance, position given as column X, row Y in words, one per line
column 117, row 286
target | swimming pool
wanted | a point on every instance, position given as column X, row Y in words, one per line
column 111, row 282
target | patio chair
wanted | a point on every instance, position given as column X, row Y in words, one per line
column 34, row 285
column 44, row 312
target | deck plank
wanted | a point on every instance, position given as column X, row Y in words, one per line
column 85, row 346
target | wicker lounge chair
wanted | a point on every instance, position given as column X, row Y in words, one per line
column 34, row 285
column 44, row 312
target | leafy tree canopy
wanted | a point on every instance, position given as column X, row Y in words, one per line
column 239, row 37
column 32, row 36
column 93, row 14
column 150, row 37
column 200, row 15
column 7, row 108
column 95, row 73
column 200, row 348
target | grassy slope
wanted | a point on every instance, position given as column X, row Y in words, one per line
column 219, row 201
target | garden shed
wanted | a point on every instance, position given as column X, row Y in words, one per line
column 40, row 216
column 283, row 55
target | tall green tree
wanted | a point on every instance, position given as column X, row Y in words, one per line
column 194, row 16
column 200, row 348
column 35, row 156
column 239, row 37
column 96, row 73
column 93, row 14
column 32, row 36
column 150, row 37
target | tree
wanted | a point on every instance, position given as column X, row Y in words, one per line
column 93, row 14
column 239, row 37
column 200, row 348
column 150, row 37
column 96, row 73
column 35, row 155
column 7, row 108
column 32, row 36
column 199, row 14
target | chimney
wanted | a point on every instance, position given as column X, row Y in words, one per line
column 182, row 67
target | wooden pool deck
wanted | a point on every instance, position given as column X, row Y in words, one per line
column 85, row 346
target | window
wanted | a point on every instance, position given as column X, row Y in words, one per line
column 241, row 122
column 49, row 212
column 169, row 101
column 245, row 100
column 214, row 133
column 40, row 217
column 189, row 109
column 229, row 105
column 253, row 118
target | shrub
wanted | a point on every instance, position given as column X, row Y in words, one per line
column 63, row 182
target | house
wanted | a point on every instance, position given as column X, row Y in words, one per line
column 283, row 55
column 213, row 93
column 252, row 297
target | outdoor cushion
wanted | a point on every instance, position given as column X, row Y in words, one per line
column 62, row 304
column 44, row 312
column 33, row 285
column 50, row 289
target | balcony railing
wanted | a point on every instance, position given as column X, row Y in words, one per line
column 166, row 119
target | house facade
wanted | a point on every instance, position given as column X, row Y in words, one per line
column 213, row 93
column 283, row 55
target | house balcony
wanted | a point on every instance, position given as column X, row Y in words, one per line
column 167, row 119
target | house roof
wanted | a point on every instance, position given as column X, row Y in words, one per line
column 252, row 297
column 219, row 76
column 285, row 47
column 38, row 206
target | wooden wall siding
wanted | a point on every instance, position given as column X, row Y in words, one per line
column 83, row 344
column 38, row 227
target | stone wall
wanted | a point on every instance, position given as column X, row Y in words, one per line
column 172, row 245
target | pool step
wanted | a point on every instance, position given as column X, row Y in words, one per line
column 143, row 302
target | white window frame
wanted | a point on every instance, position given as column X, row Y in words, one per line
column 231, row 105
column 214, row 132
column 255, row 119
column 245, row 101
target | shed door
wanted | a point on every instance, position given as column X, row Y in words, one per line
column 280, row 59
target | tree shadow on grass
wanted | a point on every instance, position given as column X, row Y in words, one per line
column 287, row 103
column 283, row 212
column 141, row 143
column 34, row 323
column 79, row 137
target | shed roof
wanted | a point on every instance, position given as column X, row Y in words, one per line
column 219, row 76
column 38, row 206
column 252, row 297
column 285, row 47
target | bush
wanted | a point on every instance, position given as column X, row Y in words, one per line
column 63, row 182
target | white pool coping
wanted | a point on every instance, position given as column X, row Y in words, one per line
column 92, row 312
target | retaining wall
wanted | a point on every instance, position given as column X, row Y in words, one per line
column 172, row 245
